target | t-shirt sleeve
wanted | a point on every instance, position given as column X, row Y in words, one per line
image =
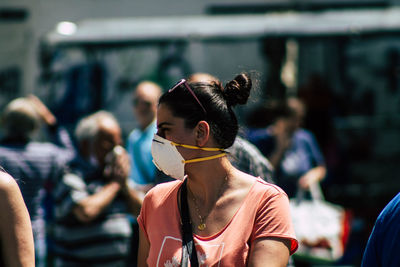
column 141, row 219
column 157, row 200
column 273, row 219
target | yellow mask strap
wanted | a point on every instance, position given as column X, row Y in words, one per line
column 196, row 147
column 204, row 159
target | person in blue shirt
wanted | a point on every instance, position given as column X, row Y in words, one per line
column 383, row 244
column 144, row 101
column 292, row 150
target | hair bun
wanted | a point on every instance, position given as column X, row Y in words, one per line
column 237, row 91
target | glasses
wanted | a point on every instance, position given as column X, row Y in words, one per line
column 184, row 82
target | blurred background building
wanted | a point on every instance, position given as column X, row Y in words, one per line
column 341, row 56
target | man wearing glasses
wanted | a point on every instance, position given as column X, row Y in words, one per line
column 144, row 101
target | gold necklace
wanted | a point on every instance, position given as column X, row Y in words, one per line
column 202, row 225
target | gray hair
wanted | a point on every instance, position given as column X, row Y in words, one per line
column 20, row 118
column 88, row 127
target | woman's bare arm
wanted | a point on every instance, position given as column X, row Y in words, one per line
column 15, row 226
column 144, row 247
column 269, row 252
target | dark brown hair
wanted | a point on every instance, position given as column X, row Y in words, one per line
column 218, row 102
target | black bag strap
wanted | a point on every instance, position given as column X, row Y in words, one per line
column 188, row 247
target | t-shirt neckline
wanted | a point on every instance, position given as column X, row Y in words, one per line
column 213, row 236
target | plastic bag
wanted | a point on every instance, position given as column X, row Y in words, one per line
column 321, row 227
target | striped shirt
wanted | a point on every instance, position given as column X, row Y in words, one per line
column 36, row 165
column 247, row 158
column 105, row 240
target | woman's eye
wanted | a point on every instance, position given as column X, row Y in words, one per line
column 161, row 132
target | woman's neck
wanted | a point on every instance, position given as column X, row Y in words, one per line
column 207, row 181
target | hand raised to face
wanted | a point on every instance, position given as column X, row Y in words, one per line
column 117, row 165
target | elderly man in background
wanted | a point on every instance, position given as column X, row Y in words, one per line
column 36, row 166
column 94, row 200
column 144, row 101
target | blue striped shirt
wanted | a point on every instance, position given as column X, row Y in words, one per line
column 105, row 240
column 36, row 166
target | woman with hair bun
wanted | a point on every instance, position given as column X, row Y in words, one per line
column 213, row 214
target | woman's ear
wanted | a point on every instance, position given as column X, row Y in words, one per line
column 202, row 133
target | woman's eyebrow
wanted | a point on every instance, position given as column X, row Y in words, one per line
column 164, row 124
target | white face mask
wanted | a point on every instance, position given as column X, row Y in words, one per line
column 168, row 159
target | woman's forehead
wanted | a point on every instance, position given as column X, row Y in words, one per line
column 163, row 109
column 163, row 113
column 166, row 117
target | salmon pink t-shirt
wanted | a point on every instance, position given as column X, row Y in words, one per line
column 263, row 213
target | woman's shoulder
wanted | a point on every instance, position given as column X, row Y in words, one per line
column 259, row 188
column 7, row 182
column 8, row 187
column 162, row 191
column 166, row 186
column 265, row 187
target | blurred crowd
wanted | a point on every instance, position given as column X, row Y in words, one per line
column 84, row 189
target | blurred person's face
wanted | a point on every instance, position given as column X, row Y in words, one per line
column 292, row 124
column 300, row 111
column 108, row 137
column 299, row 119
column 202, row 77
column 144, row 101
column 286, row 126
